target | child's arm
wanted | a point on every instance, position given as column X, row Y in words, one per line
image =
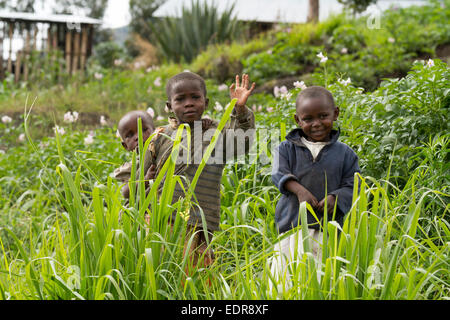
column 301, row 192
column 286, row 181
column 344, row 194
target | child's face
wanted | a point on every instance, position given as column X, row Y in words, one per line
column 316, row 116
column 187, row 100
column 128, row 130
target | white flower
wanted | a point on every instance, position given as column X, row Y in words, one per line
column 345, row 82
column 70, row 117
column 323, row 59
column 103, row 121
column 151, row 112
column 159, row 118
column 2, row 151
column 218, row 106
column 280, row 91
column 269, row 109
column 260, row 108
column 254, row 108
column 98, row 76
column 157, row 82
column 186, row 70
column 269, row 51
column 391, row 40
column 430, row 63
column 300, row 84
column 344, row 50
column 287, row 96
column 118, row 62
column 22, row 137
column 359, row 91
column 6, row 119
column 207, row 117
column 222, row 87
column 89, row 139
column 59, row 129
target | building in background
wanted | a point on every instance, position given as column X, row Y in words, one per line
column 61, row 38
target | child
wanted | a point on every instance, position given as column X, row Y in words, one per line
column 128, row 131
column 187, row 99
column 311, row 165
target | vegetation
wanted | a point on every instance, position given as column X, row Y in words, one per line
column 181, row 39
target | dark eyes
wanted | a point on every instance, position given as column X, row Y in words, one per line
column 321, row 116
column 181, row 98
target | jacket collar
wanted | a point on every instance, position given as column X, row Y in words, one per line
column 295, row 135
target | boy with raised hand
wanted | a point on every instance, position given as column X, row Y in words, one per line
column 311, row 165
column 187, row 99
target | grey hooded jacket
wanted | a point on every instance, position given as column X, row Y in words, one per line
column 333, row 169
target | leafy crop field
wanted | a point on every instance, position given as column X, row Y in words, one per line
column 66, row 234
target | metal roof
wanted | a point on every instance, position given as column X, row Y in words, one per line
column 40, row 17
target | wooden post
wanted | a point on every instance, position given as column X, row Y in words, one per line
column 68, row 50
column 36, row 29
column 2, row 36
column 90, row 41
column 76, row 51
column 26, row 57
column 18, row 64
column 11, row 32
column 49, row 39
column 84, row 40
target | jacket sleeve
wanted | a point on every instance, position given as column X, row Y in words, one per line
column 344, row 193
column 281, row 171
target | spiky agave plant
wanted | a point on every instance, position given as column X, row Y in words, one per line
column 198, row 26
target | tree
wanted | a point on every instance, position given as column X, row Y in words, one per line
column 357, row 6
column 91, row 8
column 141, row 12
column 18, row 5
column 313, row 11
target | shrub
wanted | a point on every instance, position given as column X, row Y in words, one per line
column 183, row 38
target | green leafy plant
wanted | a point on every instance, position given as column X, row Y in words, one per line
column 181, row 39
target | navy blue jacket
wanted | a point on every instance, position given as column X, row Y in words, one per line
column 336, row 163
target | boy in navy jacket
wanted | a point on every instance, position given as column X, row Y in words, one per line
column 312, row 165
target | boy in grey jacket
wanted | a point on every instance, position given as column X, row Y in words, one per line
column 312, row 165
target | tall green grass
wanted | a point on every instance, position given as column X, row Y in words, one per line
column 394, row 243
column 390, row 246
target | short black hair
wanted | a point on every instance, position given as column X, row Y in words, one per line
column 144, row 115
column 185, row 76
column 315, row 92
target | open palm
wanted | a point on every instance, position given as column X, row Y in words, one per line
column 241, row 92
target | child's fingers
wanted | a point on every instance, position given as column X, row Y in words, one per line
column 252, row 87
column 245, row 80
column 237, row 81
column 232, row 87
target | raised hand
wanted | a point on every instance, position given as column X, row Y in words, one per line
column 241, row 92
